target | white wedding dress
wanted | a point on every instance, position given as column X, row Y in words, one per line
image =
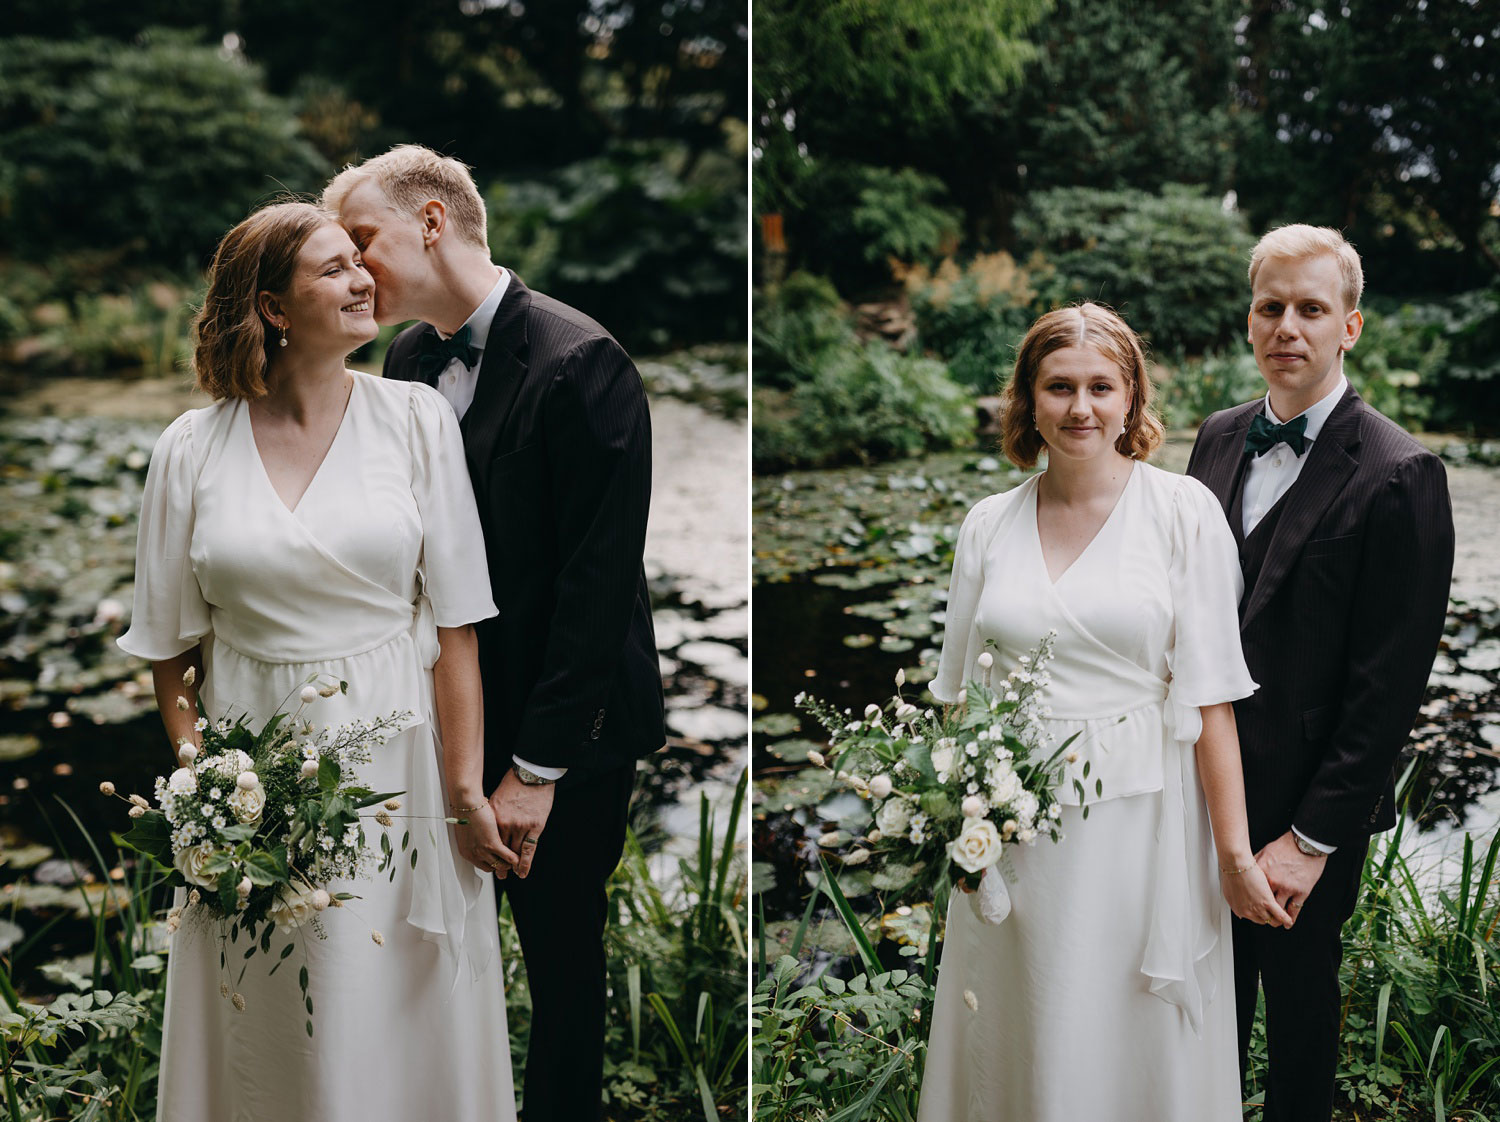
column 383, row 548
column 1107, row 993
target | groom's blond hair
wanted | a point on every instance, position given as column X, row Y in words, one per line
column 410, row 175
column 1298, row 242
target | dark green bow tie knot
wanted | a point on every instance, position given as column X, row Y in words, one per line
column 437, row 352
column 1265, row 434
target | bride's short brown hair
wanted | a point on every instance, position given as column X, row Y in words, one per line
column 233, row 341
column 1082, row 325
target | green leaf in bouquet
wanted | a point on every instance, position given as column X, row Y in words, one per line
column 227, row 895
column 334, row 811
column 239, row 833
column 240, row 737
column 217, row 864
column 343, row 687
column 268, row 734
column 920, row 757
column 370, row 799
column 150, row 834
column 329, row 774
column 935, row 803
column 265, row 868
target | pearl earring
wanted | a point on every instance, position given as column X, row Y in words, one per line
column 283, row 335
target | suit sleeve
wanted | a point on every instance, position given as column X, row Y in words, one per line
column 599, row 430
column 1402, row 600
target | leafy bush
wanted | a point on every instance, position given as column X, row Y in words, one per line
column 645, row 239
column 158, row 147
column 1173, row 264
column 1192, row 389
column 974, row 317
column 795, row 323
column 860, row 404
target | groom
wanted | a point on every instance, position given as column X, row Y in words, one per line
column 1346, row 542
column 558, row 440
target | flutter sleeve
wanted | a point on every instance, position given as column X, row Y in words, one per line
column 1207, row 664
column 169, row 615
column 455, row 573
column 961, row 643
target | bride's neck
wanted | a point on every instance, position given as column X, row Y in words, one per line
column 1070, row 482
column 298, row 388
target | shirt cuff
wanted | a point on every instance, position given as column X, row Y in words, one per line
column 1319, row 846
column 552, row 773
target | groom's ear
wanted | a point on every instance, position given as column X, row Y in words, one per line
column 434, row 218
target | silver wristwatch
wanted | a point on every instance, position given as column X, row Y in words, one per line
column 1306, row 846
column 531, row 778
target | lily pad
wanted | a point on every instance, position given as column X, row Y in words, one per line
column 18, row 746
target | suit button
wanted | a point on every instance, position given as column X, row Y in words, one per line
column 594, row 735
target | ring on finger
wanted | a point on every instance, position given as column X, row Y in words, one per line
column 529, row 841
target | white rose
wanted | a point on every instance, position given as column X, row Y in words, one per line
column 190, row 863
column 977, row 846
column 183, row 781
column 942, row 759
column 893, row 816
column 880, row 786
column 248, row 804
column 293, row 907
column 973, row 806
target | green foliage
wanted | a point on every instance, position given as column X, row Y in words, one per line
column 1193, row 389
column 860, row 404
column 1173, row 264
column 902, row 215
column 158, row 146
column 974, row 317
column 795, row 323
column 648, row 238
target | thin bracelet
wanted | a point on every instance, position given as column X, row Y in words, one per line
column 463, row 809
column 1236, row 872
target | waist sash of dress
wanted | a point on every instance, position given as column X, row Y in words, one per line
column 445, row 888
column 1091, row 681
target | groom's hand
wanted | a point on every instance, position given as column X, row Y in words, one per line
column 521, row 812
column 1291, row 873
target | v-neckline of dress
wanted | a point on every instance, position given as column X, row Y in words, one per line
column 318, row 471
column 1036, row 527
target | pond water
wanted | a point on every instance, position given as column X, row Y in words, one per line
column 851, row 570
column 75, row 711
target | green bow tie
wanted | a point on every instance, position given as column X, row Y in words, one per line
column 1264, row 435
column 436, row 353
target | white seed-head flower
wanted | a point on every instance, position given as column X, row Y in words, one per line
column 1008, row 830
column 392, row 804
column 963, row 696
column 816, row 759
column 320, row 900
column 186, row 754
column 106, row 788
column 182, row 703
column 244, row 887
column 985, row 660
column 880, row 786
column 247, row 781
column 223, row 989
column 309, row 694
column 190, row 675
column 973, row 806
column 384, row 819
column 378, row 938
column 328, row 691
column 873, row 836
column 900, row 678
column 309, row 768
column 173, row 923
column 857, row 857
column 136, row 812
column 239, row 1001
column 138, row 800
column 971, row 1000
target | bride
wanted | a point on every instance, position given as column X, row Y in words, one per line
column 1107, row 993
column 316, row 520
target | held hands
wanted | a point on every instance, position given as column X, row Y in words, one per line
column 521, row 813
column 479, row 842
column 1250, row 896
column 1291, row 873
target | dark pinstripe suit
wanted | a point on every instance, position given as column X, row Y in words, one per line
column 1339, row 627
column 558, row 441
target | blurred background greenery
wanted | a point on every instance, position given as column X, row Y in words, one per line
column 608, row 138
column 954, row 170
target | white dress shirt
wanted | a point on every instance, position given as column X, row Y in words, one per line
column 1271, row 475
column 457, row 382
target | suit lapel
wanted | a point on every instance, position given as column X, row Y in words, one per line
column 502, row 370
column 1328, row 468
column 1224, row 465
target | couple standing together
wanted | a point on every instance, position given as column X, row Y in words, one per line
column 461, row 539
column 1242, row 651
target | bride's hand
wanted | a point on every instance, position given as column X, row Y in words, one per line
column 1250, row 897
column 479, row 842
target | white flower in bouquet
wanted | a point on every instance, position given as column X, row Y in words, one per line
column 309, row 769
column 248, row 804
column 977, row 846
column 973, row 806
column 1005, row 786
column 880, row 786
column 293, row 907
column 893, row 816
column 1026, row 807
column 309, row 694
column 191, row 860
column 942, row 760
column 182, row 781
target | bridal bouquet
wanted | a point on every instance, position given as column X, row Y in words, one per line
column 953, row 789
column 257, row 824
